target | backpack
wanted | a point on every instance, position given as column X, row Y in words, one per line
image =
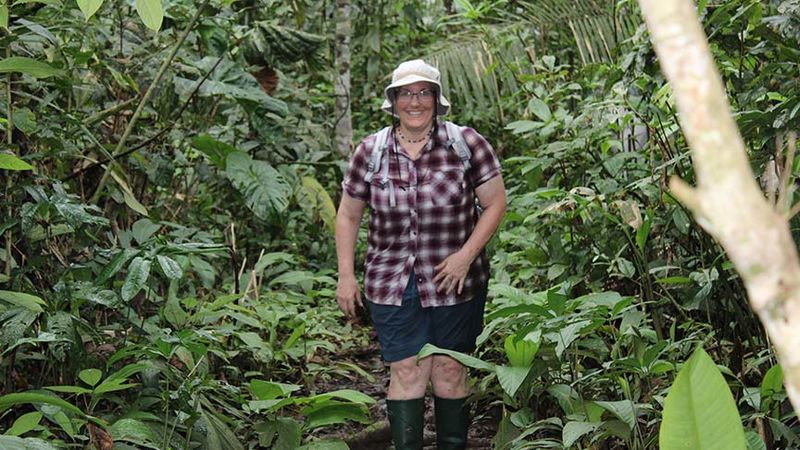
column 455, row 141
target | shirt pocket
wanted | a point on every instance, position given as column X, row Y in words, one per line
column 380, row 195
column 446, row 188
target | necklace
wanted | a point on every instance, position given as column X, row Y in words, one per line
column 415, row 141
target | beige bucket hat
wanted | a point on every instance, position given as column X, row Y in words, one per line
column 410, row 72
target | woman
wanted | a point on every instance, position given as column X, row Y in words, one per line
column 426, row 268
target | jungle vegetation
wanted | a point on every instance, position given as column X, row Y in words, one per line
column 170, row 170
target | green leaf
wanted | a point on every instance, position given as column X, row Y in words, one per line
column 219, row 436
column 25, row 423
column 136, row 432
column 115, row 265
column 575, row 430
column 32, row 67
column 27, row 301
column 511, row 378
column 520, row 352
column 772, row 382
column 316, row 201
column 523, row 126
column 69, row 389
column 217, row 151
column 265, row 190
column 325, row 444
column 144, row 229
column 754, row 441
column 128, row 196
column 89, row 7
column 151, row 12
column 9, row 400
column 540, row 109
column 335, row 413
column 623, row 409
column 4, row 16
column 17, row 443
column 11, row 162
column 467, row 360
column 90, row 376
column 25, row 121
column 170, row 267
column 268, row 390
column 344, row 394
column 138, row 272
column 699, row 411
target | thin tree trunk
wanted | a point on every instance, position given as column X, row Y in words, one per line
column 343, row 125
column 727, row 202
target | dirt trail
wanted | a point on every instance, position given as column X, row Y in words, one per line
column 377, row 434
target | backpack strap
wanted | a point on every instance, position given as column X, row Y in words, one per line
column 378, row 149
column 455, row 140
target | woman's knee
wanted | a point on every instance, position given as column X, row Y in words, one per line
column 409, row 372
column 448, row 376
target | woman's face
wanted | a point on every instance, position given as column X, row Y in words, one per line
column 414, row 105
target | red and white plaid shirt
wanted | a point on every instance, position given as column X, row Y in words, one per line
column 433, row 216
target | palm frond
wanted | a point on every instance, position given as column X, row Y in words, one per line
column 469, row 62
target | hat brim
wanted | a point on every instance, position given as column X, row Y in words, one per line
column 444, row 105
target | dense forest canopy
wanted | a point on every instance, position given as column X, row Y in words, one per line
column 170, row 169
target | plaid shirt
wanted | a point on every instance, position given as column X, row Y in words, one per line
column 432, row 219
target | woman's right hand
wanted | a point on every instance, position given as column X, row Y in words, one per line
column 348, row 295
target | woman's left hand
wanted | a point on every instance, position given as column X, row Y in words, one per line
column 452, row 272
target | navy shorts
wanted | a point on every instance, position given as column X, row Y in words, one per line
column 403, row 330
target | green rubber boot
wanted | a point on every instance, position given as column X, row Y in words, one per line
column 407, row 421
column 452, row 421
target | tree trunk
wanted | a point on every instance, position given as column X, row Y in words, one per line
column 343, row 125
column 727, row 201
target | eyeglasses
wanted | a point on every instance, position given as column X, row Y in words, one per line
column 423, row 96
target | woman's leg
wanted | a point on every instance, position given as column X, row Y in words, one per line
column 448, row 377
column 405, row 402
column 409, row 379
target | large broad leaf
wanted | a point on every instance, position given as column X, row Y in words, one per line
column 25, row 423
column 136, row 432
column 250, row 93
column 317, row 203
column 4, row 16
column 575, row 430
column 469, row 361
column 89, row 7
column 115, row 265
column 699, row 411
column 138, row 272
column 151, row 12
column 335, row 413
column 9, row 400
column 32, row 67
column 27, row 301
column 170, row 267
column 11, row 162
column 269, row 390
column 265, row 190
column 217, row 151
column 511, row 378
column 344, row 394
column 17, row 443
column 219, row 436
column 623, row 409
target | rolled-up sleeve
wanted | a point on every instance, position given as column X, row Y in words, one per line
column 484, row 163
column 353, row 183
